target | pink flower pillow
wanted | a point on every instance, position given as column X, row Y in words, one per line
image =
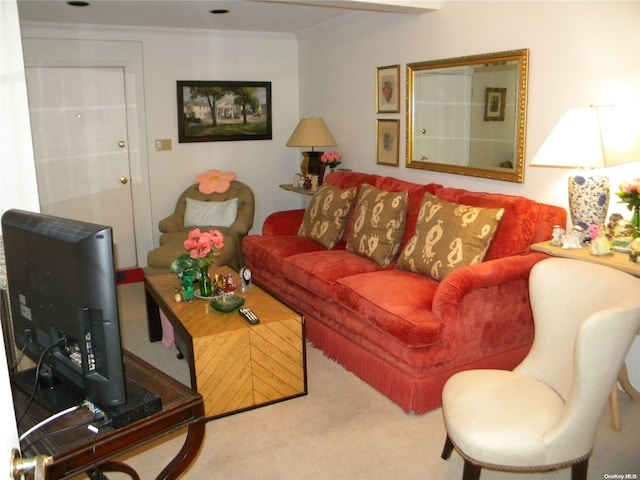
column 215, row 181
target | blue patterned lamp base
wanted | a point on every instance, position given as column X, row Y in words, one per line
column 588, row 200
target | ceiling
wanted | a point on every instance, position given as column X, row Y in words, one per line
column 282, row 16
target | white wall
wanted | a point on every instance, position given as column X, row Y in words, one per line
column 581, row 53
column 168, row 56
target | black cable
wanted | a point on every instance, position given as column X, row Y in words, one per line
column 59, row 343
column 62, row 430
column 96, row 473
column 17, row 361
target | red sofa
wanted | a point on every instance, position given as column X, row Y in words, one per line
column 404, row 333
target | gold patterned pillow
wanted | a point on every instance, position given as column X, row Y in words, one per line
column 379, row 224
column 449, row 236
column 325, row 219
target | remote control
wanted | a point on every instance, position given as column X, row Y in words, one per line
column 249, row 316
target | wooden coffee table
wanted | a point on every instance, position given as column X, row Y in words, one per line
column 233, row 365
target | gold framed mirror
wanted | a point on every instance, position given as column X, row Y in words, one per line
column 467, row 115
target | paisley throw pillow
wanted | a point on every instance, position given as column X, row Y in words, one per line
column 378, row 225
column 449, row 236
column 326, row 217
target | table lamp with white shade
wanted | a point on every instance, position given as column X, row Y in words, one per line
column 586, row 139
column 311, row 132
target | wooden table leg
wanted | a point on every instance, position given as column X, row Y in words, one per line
column 623, row 378
column 187, row 453
column 154, row 325
column 625, row 383
column 615, row 411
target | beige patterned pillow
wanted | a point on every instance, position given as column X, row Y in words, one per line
column 379, row 224
column 449, row 236
column 325, row 219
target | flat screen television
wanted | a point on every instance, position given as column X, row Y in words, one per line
column 63, row 295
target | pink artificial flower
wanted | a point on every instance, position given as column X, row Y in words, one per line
column 215, row 181
column 202, row 246
column 331, row 157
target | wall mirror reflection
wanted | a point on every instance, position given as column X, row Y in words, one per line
column 467, row 115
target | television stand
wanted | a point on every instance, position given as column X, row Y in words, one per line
column 78, row 450
column 57, row 398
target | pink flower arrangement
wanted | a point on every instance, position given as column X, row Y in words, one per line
column 215, row 181
column 630, row 193
column 333, row 159
column 203, row 246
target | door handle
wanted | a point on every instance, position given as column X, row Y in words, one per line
column 21, row 467
column 122, row 144
column 124, row 180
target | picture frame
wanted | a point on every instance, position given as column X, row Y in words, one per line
column 218, row 111
column 494, row 103
column 388, row 89
column 388, row 142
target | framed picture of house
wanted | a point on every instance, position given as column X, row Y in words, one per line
column 388, row 89
column 388, row 145
column 494, row 104
column 218, row 111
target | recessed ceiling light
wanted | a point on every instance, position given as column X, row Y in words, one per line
column 219, row 11
column 77, row 3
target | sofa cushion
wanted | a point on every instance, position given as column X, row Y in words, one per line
column 449, row 236
column 395, row 301
column 319, row 271
column 270, row 250
column 221, row 214
column 518, row 228
column 326, row 217
column 416, row 194
column 378, row 225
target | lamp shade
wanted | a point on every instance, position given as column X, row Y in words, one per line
column 311, row 132
column 592, row 137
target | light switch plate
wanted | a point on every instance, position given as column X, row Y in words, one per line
column 163, row 145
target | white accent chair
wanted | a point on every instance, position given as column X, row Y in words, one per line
column 544, row 414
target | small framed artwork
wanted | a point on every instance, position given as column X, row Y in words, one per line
column 218, row 111
column 494, row 101
column 388, row 148
column 388, row 89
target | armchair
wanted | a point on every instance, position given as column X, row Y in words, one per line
column 175, row 232
column 544, row 414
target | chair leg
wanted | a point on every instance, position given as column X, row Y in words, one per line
column 579, row 470
column 472, row 472
column 447, row 449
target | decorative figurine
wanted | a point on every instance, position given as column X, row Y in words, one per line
column 634, row 250
column 574, row 238
column 245, row 275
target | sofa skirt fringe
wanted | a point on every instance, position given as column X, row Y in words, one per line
column 413, row 394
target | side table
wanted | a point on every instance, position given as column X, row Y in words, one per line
column 76, row 450
column 289, row 187
column 619, row 261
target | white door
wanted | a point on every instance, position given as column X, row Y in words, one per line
column 9, row 438
column 79, row 128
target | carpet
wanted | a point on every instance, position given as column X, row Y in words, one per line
column 132, row 275
column 342, row 429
